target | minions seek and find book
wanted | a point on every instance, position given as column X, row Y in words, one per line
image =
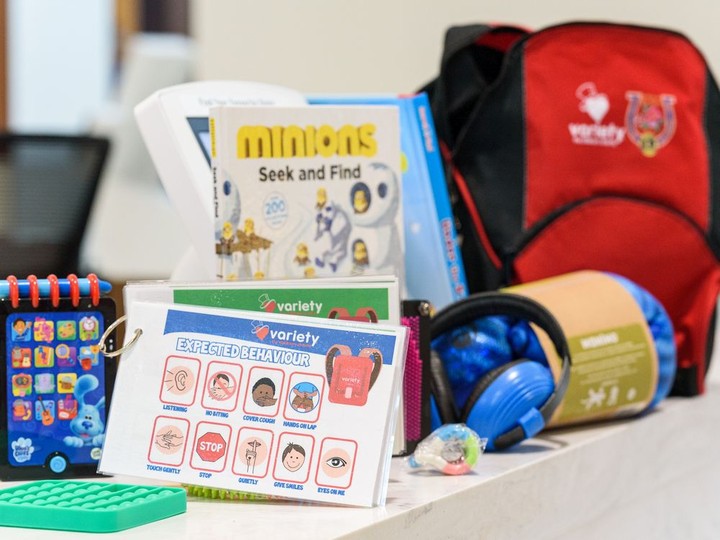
column 306, row 191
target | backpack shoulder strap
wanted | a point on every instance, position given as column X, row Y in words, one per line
column 471, row 60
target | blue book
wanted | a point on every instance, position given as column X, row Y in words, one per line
column 433, row 263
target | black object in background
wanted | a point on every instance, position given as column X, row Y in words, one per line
column 47, row 187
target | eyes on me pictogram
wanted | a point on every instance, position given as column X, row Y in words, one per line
column 336, row 462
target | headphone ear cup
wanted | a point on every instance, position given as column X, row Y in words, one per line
column 504, row 396
column 442, row 396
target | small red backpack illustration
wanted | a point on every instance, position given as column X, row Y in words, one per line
column 350, row 377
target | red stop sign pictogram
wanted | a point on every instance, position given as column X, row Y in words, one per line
column 211, row 446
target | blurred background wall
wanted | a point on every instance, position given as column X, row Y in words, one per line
column 394, row 45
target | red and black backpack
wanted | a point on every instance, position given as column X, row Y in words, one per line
column 587, row 146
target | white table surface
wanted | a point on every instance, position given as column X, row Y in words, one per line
column 657, row 476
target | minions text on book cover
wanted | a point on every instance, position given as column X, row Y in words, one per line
column 306, row 191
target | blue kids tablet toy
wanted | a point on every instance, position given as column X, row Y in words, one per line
column 55, row 385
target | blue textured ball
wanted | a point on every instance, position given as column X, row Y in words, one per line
column 663, row 334
column 470, row 352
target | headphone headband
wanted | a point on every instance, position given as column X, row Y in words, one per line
column 481, row 305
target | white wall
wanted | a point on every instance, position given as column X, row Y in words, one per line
column 394, row 45
column 60, row 63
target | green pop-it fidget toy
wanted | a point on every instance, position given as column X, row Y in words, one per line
column 87, row 506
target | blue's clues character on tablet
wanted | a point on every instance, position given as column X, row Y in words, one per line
column 87, row 426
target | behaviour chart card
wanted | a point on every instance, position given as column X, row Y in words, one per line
column 279, row 405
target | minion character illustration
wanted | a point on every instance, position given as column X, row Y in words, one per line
column 375, row 203
column 376, row 198
column 226, row 235
column 320, row 198
column 360, row 195
column 249, row 227
column 360, row 260
column 302, row 254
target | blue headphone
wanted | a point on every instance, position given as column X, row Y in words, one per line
column 511, row 402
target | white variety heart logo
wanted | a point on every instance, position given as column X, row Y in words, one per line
column 594, row 103
column 596, row 107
